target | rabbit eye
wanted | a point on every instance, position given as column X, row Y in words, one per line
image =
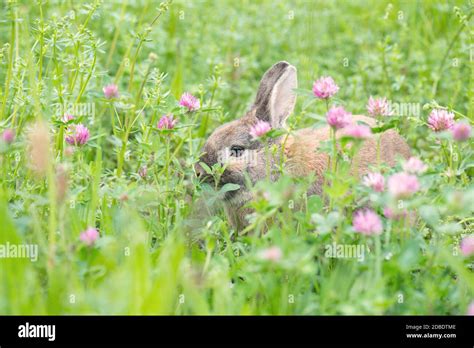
column 236, row 150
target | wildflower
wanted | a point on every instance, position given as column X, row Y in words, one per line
column 440, row 120
column 166, row 122
column 367, row 222
column 260, row 129
column 378, row 107
column 358, row 131
column 461, row 131
column 142, row 172
column 77, row 135
column 189, row 101
column 403, row 185
column 273, row 254
column 325, row 88
column 89, row 236
column 375, row 181
column 467, row 245
column 67, row 117
column 392, row 215
column 111, row 91
column 8, row 136
column 414, row 166
column 337, row 117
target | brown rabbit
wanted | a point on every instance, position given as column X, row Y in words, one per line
column 275, row 101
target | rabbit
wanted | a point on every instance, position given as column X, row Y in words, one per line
column 274, row 102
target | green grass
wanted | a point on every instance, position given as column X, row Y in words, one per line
column 166, row 246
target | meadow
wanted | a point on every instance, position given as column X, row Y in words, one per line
column 99, row 179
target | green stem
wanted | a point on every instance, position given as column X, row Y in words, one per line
column 446, row 54
column 121, row 155
column 84, row 85
column 167, row 161
column 52, row 217
column 205, row 119
column 267, row 159
column 41, row 41
column 10, row 62
column 334, row 152
column 452, row 177
column 378, row 258
column 333, row 162
column 116, row 34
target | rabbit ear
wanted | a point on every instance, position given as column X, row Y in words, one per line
column 276, row 99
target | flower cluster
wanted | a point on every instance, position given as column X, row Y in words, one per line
column 414, row 166
column 378, row 107
column 403, row 185
column 325, row 88
column 89, row 236
column 375, row 181
column 166, row 122
column 358, row 131
column 337, row 117
column 77, row 135
column 111, row 91
column 440, row 120
column 189, row 101
column 461, row 131
column 8, row 136
column 259, row 129
column 367, row 222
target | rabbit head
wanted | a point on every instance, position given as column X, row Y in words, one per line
column 232, row 145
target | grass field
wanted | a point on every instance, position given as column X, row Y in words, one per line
column 165, row 244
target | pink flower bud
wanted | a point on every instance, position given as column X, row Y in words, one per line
column 189, row 101
column 378, row 107
column 338, row 118
column 358, row 131
column 325, row 88
column 367, row 222
column 375, row 181
column 166, row 122
column 461, row 131
column 403, row 185
column 66, row 118
column 273, row 254
column 111, row 91
column 414, row 166
column 440, row 120
column 77, row 135
column 467, row 245
column 260, row 129
column 8, row 136
column 392, row 215
column 142, row 172
column 89, row 236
